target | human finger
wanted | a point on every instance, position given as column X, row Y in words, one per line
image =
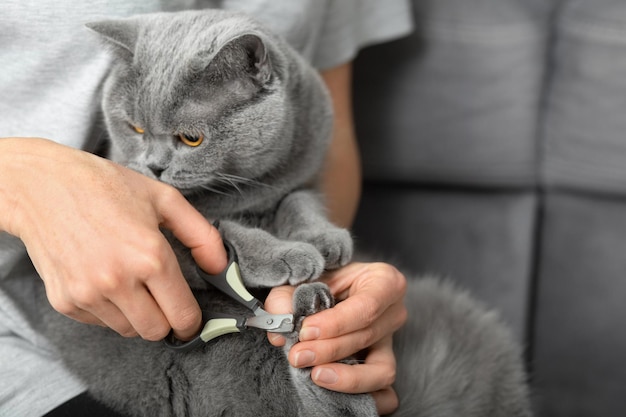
column 279, row 301
column 166, row 284
column 80, row 303
column 386, row 401
column 144, row 314
column 192, row 229
column 84, row 317
column 322, row 351
column 105, row 314
column 112, row 317
column 376, row 373
column 370, row 290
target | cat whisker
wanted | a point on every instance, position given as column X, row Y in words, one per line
column 213, row 189
column 234, row 180
column 237, row 178
column 229, row 181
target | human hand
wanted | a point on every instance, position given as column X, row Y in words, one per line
column 370, row 311
column 91, row 228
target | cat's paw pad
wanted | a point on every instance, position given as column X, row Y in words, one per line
column 310, row 298
column 335, row 245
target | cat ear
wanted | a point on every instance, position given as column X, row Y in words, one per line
column 122, row 33
column 244, row 54
column 261, row 67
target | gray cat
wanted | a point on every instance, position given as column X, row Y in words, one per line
column 217, row 106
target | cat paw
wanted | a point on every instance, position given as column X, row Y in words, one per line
column 335, row 245
column 286, row 262
column 300, row 262
column 308, row 298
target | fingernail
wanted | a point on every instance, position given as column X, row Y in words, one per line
column 304, row 358
column 276, row 338
column 325, row 376
column 309, row 333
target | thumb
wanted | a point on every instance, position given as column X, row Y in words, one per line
column 193, row 230
column 279, row 302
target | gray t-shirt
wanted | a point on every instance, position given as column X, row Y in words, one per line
column 51, row 69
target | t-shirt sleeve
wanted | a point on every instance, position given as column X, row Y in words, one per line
column 350, row 25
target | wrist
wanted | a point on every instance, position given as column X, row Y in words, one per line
column 20, row 159
column 8, row 195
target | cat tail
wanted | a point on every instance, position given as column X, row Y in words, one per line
column 456, row 358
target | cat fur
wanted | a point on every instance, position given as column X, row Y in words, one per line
column 266, row 121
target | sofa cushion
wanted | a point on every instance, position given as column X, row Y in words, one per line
column 456, row 102
column 580, row 338
column 585, row 130
column 481, row 240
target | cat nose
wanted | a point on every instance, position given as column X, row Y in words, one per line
column 156, row 170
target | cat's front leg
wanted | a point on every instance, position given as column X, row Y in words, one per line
column 301, row 217
column 266, row 261
column 316, row 401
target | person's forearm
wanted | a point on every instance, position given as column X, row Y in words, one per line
column 6, row 200
column 9, row 177
column 341, row 181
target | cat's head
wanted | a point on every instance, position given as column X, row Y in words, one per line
column 209, row 102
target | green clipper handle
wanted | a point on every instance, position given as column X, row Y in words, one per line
column 218, row 326
column 215, row 325
column 230, row 283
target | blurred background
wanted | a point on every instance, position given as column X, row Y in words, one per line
column 494, row 152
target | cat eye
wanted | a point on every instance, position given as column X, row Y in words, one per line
column 190, row 140
column 138, row 129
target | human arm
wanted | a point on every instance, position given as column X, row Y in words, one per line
column 372, row 308
column 91, row 228
column 341, row 180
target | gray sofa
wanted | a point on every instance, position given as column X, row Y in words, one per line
column 494, row 152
